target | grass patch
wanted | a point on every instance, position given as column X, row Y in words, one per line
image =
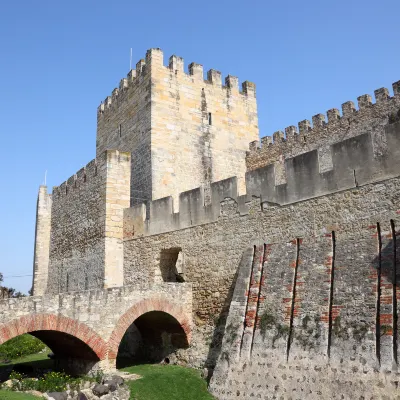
column 171, row 382
column 31, row 358
column 7, row 395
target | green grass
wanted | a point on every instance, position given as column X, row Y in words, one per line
column 29, row 359
column 8, row 395
column 167, row 382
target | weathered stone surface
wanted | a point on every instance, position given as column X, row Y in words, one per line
column 100, row 390
column 57, row 395
column 372, row 119
column 182, row 131
column 112, row 385
column 119, row 380
column 86, row 226
column 82, row 396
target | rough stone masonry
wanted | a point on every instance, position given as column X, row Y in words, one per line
column 274, row 266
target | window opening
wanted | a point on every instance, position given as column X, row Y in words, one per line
column 171, row 266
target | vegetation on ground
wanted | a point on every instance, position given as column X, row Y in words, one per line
column 7, row 395
column 19, row 346
column 49, row 382
column 167, row 382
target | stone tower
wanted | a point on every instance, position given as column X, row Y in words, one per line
column 183, row 131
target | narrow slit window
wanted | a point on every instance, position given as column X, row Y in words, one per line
column 209, row 119
column 120, row 130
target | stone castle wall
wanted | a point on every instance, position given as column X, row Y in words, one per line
column 200, row 128
column 316, row 317
column 369, row 118
column 294, row 269
column 86, row 225
column 124, row 123
column 183, row 131
column 213, row 249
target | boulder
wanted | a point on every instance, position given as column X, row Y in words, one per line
column 8, row 383
column 100, row 390
column 82, row 396
column 86, row 394
column 112, row 385
column 119, row 380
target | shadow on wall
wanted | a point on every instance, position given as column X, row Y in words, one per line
column 151, row 338
column 219, row 329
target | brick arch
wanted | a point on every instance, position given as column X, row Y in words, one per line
column 50, row 322
column 140, row 308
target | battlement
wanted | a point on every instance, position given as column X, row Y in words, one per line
column 352, row 164
column 325, row 129
column 96, row 167
column 155, row 59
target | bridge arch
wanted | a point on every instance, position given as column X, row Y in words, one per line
column 142, row 309
column 51, row 328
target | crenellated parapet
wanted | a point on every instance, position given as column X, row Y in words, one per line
column 329, row 128
column 155, row 59
column 343, row 165
column 97, row 168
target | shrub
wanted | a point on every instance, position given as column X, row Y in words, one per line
column 50, row 382
column 19, row 346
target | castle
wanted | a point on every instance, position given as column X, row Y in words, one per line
column 273, row 266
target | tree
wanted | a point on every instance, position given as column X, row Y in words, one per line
column 6, row 293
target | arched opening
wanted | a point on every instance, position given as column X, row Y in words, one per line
column 33, row 354
column 76, row 348
column 64, row 345
column 153, row 337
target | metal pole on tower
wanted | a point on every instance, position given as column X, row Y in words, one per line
column 45, row 177
column 130, row 61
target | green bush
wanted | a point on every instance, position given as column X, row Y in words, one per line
column 19, row 346
column 50, row 382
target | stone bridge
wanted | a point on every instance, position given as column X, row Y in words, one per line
column 85, row 329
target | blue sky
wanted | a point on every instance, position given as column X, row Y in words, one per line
column 59, row 59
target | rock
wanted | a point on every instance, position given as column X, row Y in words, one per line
column 112, row 385
column 87, row 384
column 57, row 395
column 86, row 394
column 100, row 390
column 8, row 383
column 119, row 380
